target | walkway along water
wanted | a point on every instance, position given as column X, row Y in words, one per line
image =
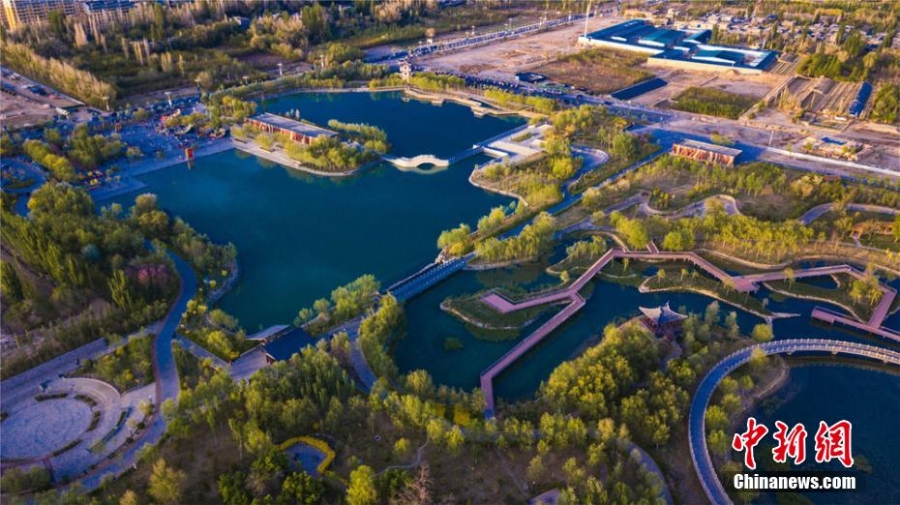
column 706, row 471
column 165, row 373
column 741, row 283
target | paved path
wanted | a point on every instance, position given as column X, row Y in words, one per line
column 820, row 210
column 741, row 283
column 198, row 351
column 165, row 373
column 697, row 417
column 650, row 464
column 28, row 382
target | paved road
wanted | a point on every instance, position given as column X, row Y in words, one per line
column 697, row 418
column 165, row 373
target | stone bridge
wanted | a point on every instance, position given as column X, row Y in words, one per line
column 416, row 161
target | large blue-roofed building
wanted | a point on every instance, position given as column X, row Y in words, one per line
column 679, row 48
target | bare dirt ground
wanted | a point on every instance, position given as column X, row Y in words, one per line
column 25, row 108
column 679, row 80
column 504, row 59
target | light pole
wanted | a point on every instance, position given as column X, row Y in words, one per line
column 106, row 99
column 280, row 70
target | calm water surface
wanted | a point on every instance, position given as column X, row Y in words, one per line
column 299, row 236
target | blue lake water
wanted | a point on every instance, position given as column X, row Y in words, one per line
column 300, row 236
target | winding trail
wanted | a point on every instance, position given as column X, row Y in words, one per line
column 166, row 375
column 697, row 418
column 820, row 210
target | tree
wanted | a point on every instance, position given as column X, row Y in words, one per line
column 10, row 285
column 626, row 146
column 897, row 228
column 300, row 489
column 417, row 491
column 166, row 483
column 129, row 497
column 233, row 490
column 762, row 333
column 362, row 490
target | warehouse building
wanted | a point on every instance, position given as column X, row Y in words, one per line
column 678, row 48
column 707, row 153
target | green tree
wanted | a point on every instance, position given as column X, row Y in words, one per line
column 762, row 333
column 166, row 483
column 362, row 490
column 10, row 285
column 626, row 146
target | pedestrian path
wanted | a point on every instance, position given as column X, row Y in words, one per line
column 741, row 283
column 703, row 464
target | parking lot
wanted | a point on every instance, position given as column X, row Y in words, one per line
column 24, row 102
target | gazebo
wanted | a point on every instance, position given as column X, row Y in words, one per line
column 662, row 320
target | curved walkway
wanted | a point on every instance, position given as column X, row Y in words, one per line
column 820, row 210
column 165, row 373
column 697, row 418
column 741, row 283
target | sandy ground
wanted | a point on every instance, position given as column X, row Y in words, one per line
column 680, row 80
column 502, row 60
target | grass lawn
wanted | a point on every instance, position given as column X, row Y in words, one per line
column 599, row 70
column 840, row 295
column 700, row 283
column 472, row 310
column 606, row 170
column 713, row 102
column 125, row 368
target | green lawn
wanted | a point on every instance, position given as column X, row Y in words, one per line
column 713, row 102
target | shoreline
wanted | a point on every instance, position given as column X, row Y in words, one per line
column 280, row 158
column 767, row 318
column 450, row 310
column 129, row 173
column 815, row 299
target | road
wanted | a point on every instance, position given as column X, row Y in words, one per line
column 697, row 419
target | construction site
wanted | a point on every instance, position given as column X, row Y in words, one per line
column 823, row 101
column 503, row 60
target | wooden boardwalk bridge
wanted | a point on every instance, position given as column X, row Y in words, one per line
column 742, row 283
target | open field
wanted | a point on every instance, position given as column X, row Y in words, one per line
column 599, row 70
column 502, row 60
column 756, row 86
column 713, row 102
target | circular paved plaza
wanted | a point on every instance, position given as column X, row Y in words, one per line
column 40, row 428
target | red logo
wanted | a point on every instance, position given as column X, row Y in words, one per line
column 748, row 440
column 833, row 442
column 791, row 444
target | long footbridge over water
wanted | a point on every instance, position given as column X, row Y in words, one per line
column 742, row 283
column 703, row 464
